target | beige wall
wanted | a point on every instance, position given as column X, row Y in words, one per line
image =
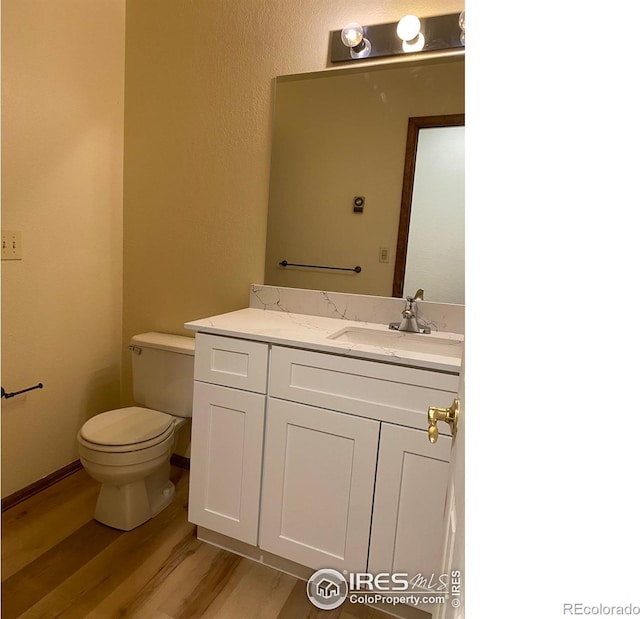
column 199, row 80
column 62, row 148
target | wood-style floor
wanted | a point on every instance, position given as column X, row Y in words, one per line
column 59, row 562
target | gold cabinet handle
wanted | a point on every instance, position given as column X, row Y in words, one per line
column 450, row 415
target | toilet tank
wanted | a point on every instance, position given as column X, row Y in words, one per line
column 163, row 372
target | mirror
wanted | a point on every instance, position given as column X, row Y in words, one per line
column 339, row 137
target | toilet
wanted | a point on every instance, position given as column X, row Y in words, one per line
column 128, row 449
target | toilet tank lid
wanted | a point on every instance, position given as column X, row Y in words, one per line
column 165, row 341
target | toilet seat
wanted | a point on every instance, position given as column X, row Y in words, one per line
column 126, row 429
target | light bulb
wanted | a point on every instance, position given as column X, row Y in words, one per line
column 461, row 21
column 352, row 34
column 408, row 27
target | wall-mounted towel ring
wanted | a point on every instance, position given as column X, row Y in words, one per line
column 8, row 395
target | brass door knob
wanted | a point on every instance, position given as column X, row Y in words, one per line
column 450, row 415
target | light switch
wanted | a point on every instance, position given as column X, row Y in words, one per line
column 11, row 245
column 384, row 254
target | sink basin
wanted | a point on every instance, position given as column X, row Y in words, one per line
column 434, row 344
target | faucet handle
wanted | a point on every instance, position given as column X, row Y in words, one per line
column 419, row 295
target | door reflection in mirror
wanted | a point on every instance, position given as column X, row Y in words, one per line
column 430, row 249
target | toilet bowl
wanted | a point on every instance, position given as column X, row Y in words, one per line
column 128, row 449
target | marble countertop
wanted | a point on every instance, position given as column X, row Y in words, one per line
column 313, row 333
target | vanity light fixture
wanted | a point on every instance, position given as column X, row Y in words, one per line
column 411, row 34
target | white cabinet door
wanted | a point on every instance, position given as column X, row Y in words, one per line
column 224, row 487
column 411, row 485
column 317, row 493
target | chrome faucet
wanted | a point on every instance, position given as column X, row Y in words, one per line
column 409, row 322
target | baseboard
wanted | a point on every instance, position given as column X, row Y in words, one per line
column 182, row 462
column 38, row 486
column 53, row 478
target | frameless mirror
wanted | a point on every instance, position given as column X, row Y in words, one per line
column 339, row 147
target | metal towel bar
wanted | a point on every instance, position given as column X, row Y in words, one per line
column 284, row 263
column 7, row 395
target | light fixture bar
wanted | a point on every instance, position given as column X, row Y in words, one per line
column 440, row 33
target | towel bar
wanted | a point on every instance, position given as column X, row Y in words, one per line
column 8, row 395
column 284, row 263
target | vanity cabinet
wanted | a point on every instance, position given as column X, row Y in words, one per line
column 318, row 458
column 321, row 462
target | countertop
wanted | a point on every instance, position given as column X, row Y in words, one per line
column 312, row 333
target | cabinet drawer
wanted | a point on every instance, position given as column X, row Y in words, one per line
column 231, row 362
column 379, row 391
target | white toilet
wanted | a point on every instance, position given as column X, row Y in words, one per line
column 128, row 449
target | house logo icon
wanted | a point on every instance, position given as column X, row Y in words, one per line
column 327, row 589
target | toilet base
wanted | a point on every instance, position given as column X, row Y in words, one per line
column 127, row 506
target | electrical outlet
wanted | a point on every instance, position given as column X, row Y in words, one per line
column 384, row 254
column 11, row 245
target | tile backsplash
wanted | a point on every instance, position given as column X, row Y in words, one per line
column 365, row 308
